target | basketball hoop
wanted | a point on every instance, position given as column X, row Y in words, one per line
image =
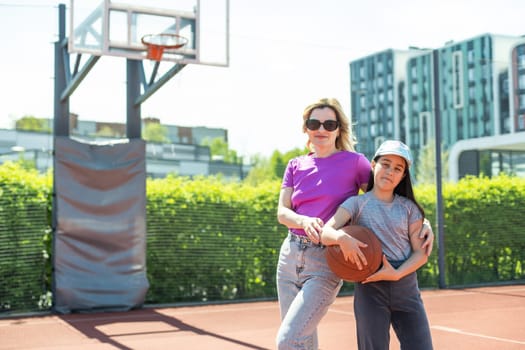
column 157, row 43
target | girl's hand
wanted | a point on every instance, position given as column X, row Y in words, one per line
column 385, row 273
column 351, row 248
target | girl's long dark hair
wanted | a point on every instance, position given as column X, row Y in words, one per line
column 403, row 188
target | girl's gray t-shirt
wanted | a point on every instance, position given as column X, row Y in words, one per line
column 390, row 221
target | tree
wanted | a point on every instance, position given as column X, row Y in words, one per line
column 31, row 123
column 219, row 149
column 279, row 164
column 260, row 172
column 154, row 132
column 105, row 131
column 426, row 164
column 265, row 169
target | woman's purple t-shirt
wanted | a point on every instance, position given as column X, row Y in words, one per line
column 320, row 185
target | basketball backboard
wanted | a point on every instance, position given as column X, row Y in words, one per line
column 116, row 27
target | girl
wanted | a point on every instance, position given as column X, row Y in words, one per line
column 391, row 295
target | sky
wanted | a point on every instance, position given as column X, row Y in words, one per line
column 284, row 55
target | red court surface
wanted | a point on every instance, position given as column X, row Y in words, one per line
column 491, row 318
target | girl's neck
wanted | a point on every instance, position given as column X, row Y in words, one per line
column 383, row 196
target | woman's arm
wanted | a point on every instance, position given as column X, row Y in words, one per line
column 312, row 226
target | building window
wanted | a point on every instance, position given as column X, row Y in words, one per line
column 362, row 101
column 415, row 105
column 379, row 83
column 364, row 132
column 389, row 110
column 471, row 75
column 457, row 81
column 373, row 129
column 506, row 126
column 390, row 128
column 522, row 101
column 521, row 81
column 487, row 127
column 378, row 141
column 505, row 86
column 424, row 128
column 414, row 89
column 470, row 56
column 521, row 122
column 472, row 94
column 521, row 60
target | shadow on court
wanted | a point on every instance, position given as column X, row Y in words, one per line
column 473, row 318
column 116, row 329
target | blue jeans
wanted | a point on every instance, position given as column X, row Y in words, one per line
column 306, row 287
column 378, row 305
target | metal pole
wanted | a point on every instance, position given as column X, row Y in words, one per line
column 439, row 191
column 133, row 125
column 61, row 113
column 60, row 123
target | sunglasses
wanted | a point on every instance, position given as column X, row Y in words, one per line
column 328, row 125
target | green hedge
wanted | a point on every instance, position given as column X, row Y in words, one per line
column 484, row 231
column 24, row 238
column 209, row 239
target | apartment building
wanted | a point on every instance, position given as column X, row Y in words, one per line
column 377, row 84
column 517, row 88
column 478, row 92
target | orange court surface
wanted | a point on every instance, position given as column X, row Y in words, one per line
column 491, row 318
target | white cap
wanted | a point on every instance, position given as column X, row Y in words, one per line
column 394, row 147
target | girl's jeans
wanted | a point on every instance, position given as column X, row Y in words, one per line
column 306, row 287
column 378, row 305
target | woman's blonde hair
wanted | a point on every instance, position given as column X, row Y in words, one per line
column 346, row 140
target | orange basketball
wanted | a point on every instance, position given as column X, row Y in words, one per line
column 345, row 269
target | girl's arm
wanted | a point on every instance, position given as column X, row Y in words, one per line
column 332, row 235
column 289, row 218
column 417, row 259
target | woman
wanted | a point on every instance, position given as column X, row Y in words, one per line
column 313, row 187
column 389, row 297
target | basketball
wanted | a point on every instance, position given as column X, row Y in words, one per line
column 345, row 269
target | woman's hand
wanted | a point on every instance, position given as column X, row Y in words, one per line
column 427, row 233
column 313, row 228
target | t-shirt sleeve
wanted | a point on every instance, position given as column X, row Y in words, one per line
column 414, row 213
column 364, row 169
column 350, row 205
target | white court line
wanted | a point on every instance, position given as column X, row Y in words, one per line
column 340, row 312
column 440, row 293
column 459, row 331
